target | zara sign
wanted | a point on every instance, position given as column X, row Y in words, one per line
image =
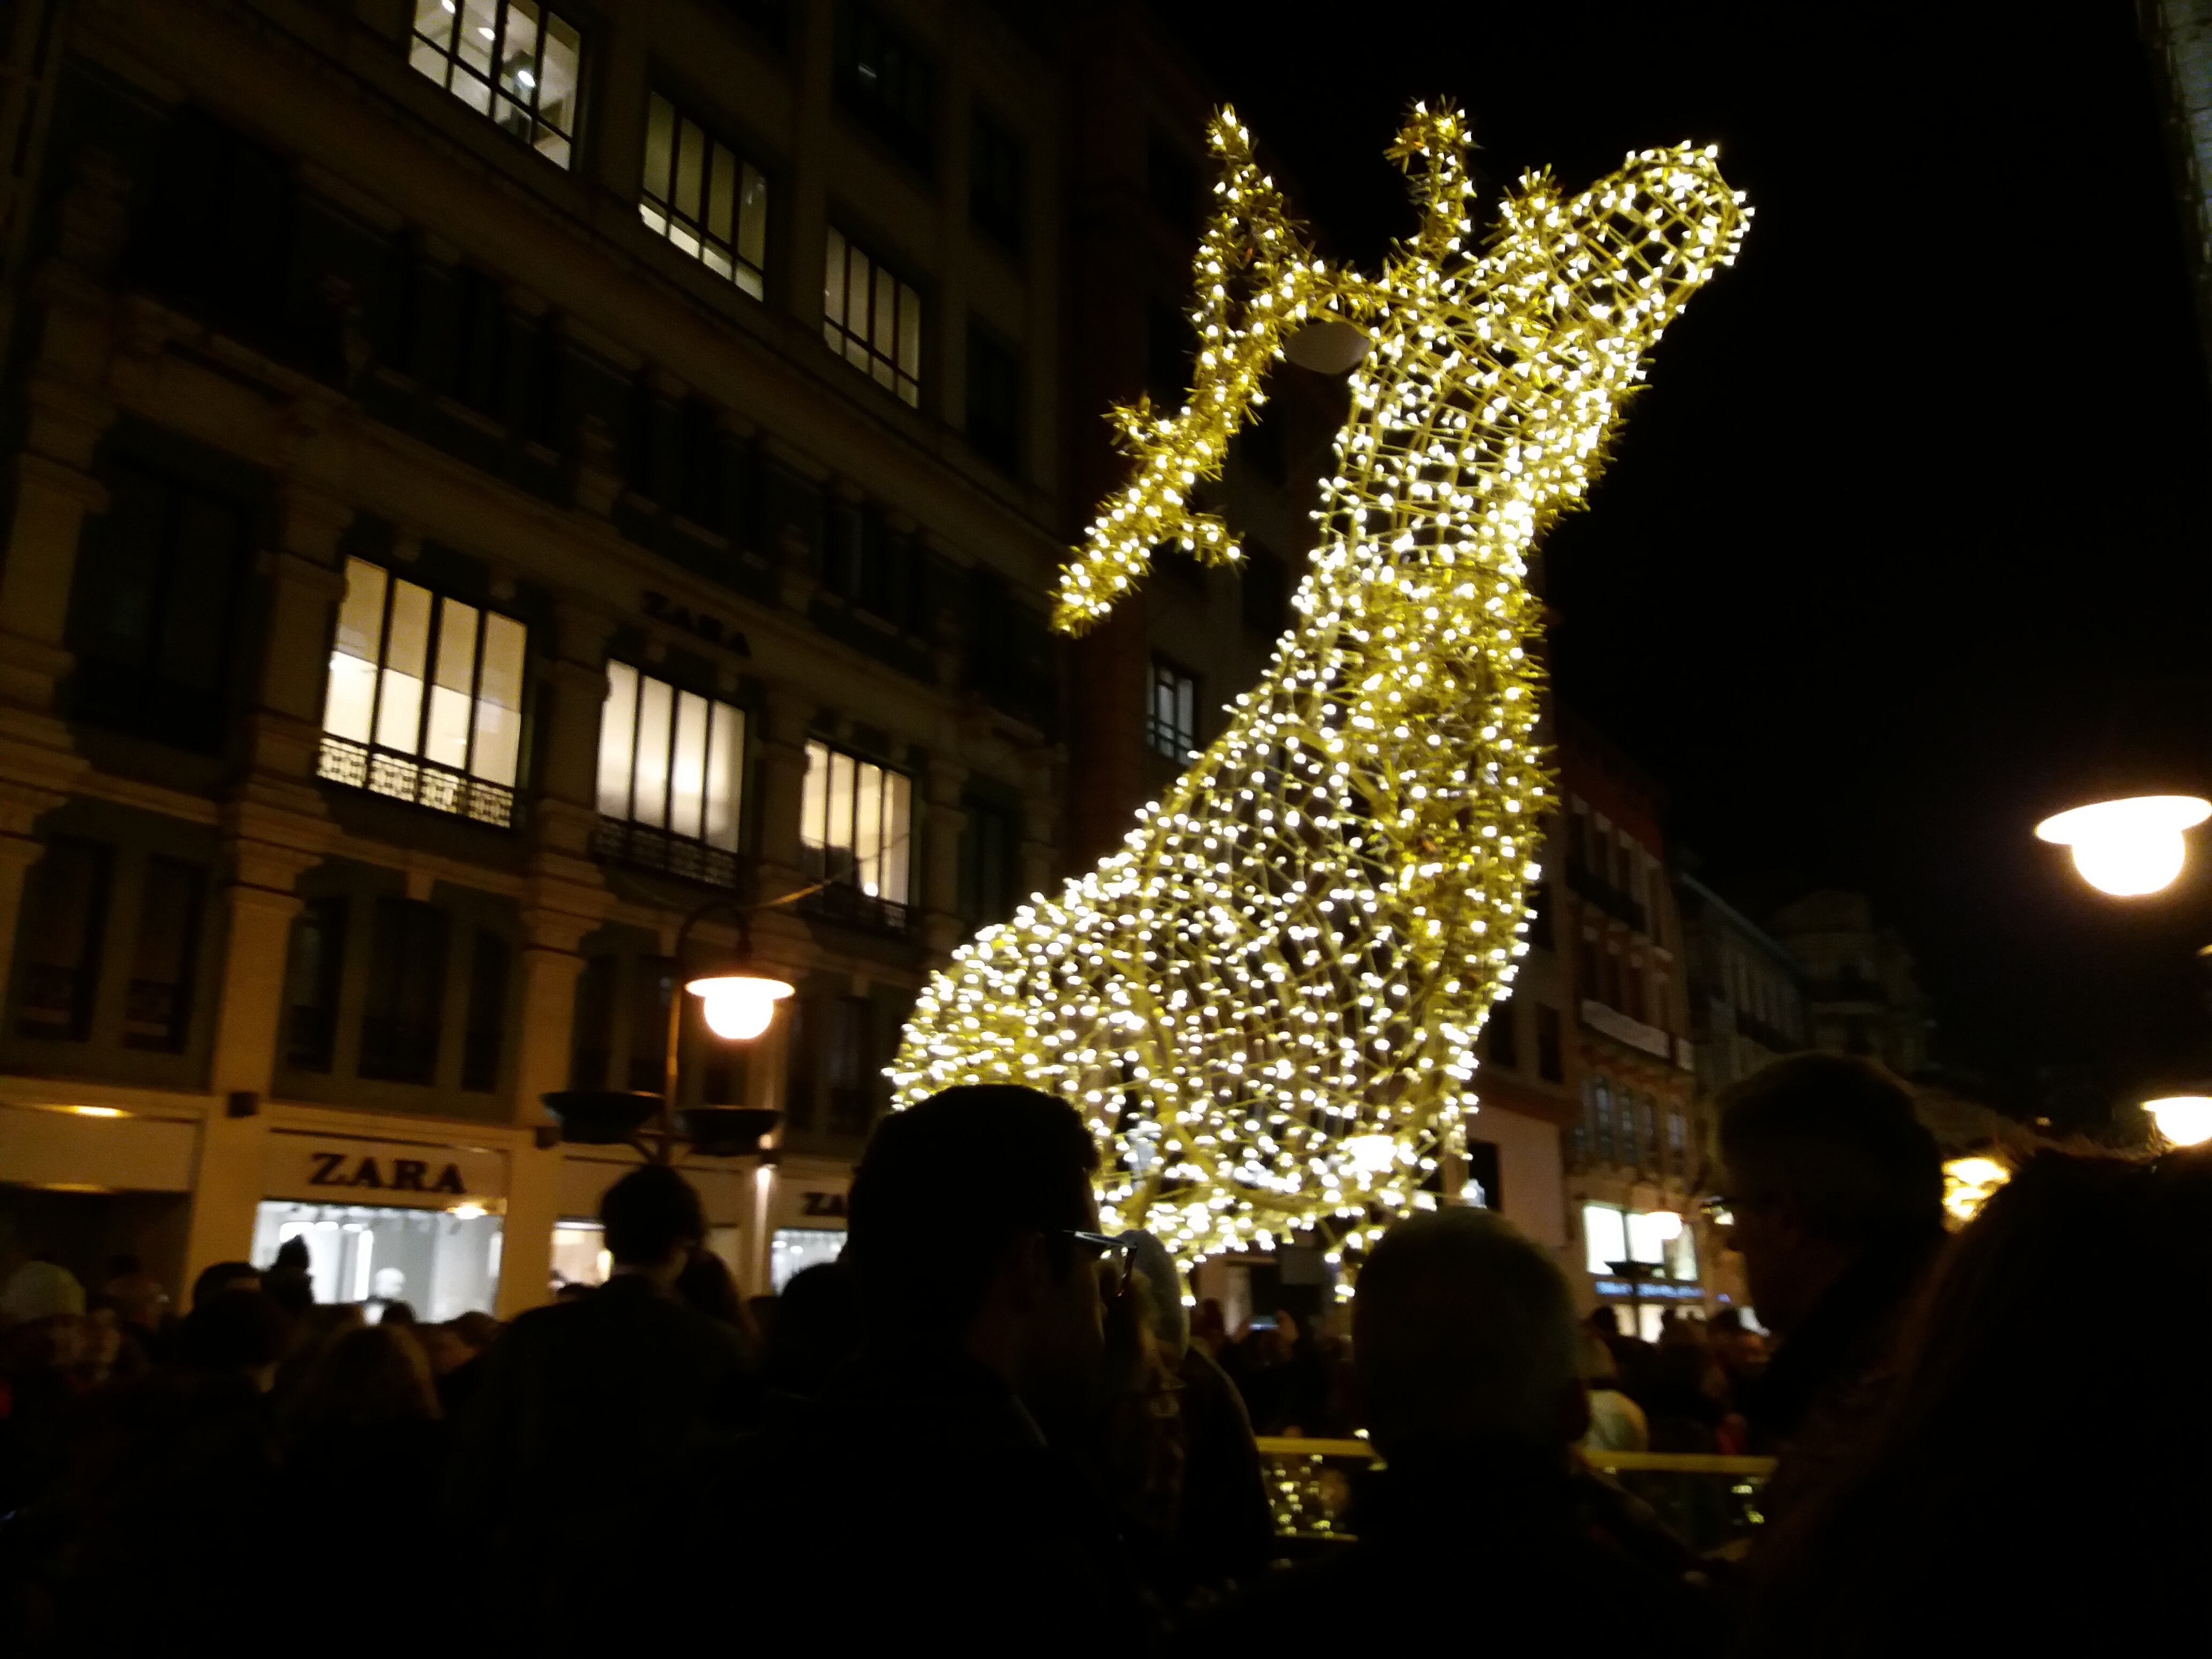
column 333, row 1169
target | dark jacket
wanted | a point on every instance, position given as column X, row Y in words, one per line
column 1492, row 1552
column 914, row 1504
column 576, row 1463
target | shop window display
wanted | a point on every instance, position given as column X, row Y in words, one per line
column 442, row 1263
column 794, row 1249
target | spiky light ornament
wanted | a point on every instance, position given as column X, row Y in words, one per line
column 1266, row 1003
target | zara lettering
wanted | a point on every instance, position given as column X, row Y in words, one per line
column 408, row 1175
column 821, row 1204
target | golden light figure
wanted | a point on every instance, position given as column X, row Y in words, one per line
column 1266, row 1003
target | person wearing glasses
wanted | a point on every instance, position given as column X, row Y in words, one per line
column 935, row 1485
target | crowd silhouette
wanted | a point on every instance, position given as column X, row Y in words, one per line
column 990, row 1423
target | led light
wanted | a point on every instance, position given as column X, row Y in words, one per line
column 97, row 1111
column 2128, row 847
column 739, row 1005
column 2182, row 1120
column 1372, row 1154
column 1969, row 1183
column 465, row 1212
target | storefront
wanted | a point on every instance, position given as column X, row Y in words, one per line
column 1643, row 1261
column 85, row 1180
column 806, row 1216
column 726, row 1190
column 387, row 1221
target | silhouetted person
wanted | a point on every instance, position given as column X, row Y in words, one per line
column 576, row 1463
column 816, row 1327
column 1466, row 1346
column 2026, row 1488
column 707, row 1285
column 937, row 1461
column 1837, row 1193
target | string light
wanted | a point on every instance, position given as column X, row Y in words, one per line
column 1266, row 1003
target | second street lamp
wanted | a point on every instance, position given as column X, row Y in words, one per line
column 2129, row 847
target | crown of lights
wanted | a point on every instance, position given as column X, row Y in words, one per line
column 1266, row 1003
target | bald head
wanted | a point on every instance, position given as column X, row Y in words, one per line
column 1463, row 1332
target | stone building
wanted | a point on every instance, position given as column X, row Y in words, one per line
column 488, row 477
column 1748, row 993
column 1862, row 995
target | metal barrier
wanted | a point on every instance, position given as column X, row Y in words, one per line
column 1707, row 1500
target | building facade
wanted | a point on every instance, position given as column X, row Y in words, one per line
column 488, row 478
column 1863, row 996
column 1748, row 993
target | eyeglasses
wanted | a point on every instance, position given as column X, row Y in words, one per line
column 1112, row 1255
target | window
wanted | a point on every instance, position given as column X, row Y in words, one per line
column 1481, row 1183
column 1501, row 1036
column 672, row 777
column 1264, row 596
column 156, row 592
column 872, row 319
column 995, row 170
column 487, row 1012
column 851, row 1070
column 1540, row 919
column 157, row 1004
column 64, row 918
column 514, row 60
column 1601, row 1106
column 1172, row 729
column 854, row 829
column 701, row 198
column 1678, row 1142
column 1605, row 1237
column 994, row 402
column 1550, row 1058
column 312, row 978
column 406, row 992
column 864, row 563
column 987, row 843
column 890, row 83
column 455, row 749
column 1171, row 183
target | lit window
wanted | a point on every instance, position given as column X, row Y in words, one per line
column 514, row 60
column 1605, row 1237
column 1174, row 725
column 701, row 198
column 424, row 702
column 671, row 776
column 871, row 319
column 854, row 820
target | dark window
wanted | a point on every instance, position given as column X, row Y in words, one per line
column 865, row 565
column 851, row 1066
column 890, row 83
column 1540, row 923
column 1260, row 444
column 591, row 1052
column 517, row 61
column 803, row 1044
column 987, row 849
column 406, row 992
column 154, row 612
column 486, row 1012
column 157, row 1005
column 703, row 493
column 995, row 170
column 702, row 198
column 216, row 236
column 652, row 982
column 1170, row 352
column 312, row 978
column 1590, row 982
column 1172, row 727
column 871, row 318
column 65, row 920
column 1501, row 1036
column 994, row 402
column 1648, row 1110
column 463, row 354
column 1551, row 1055
column 768, row 19
column 1265, row 595
column 1677, row 1143
column 1172, row 184
column 1601, row 1106
column 1482, row 1183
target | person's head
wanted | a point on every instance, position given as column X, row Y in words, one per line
column 1824, row 1164
column 962, row 1216
column 292, row 1257
column 397, row 1313
column 1598, row 1368
column 477, row 1330
column 290, row 1289
column 707, row 1285
column 374, row 1374
column 224, row 1276
column 652, row 1220
column 1464, row 1337
column 1604, row 1321
column 235, row 1332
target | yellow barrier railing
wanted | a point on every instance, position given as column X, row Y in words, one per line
column 1272, row 1445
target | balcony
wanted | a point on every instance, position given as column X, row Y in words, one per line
column 1594, row 888
column 618, row 841
column 418, row 783
column 842, row 902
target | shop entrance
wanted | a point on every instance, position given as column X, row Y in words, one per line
column 441, row 1263
column 794, row 1249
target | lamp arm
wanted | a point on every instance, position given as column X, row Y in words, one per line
column 663, row 1150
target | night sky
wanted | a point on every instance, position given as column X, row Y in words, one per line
column 1909, row 536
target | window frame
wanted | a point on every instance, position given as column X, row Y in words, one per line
column 750, row 202
column 1173, row 739
column 495, row 77
column 843, row 891
column 901, row 100
column 1004, row 224
column 983, row 344
column 896, row 372
column 377, row 768
column 627, row 837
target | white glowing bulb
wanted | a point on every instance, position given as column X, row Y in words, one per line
column 1372, row 1154
column 2182, row 1120
column 739, row 1005
column 2128, row 847
column 1666, row 1226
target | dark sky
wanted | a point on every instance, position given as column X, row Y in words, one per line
column 1910, row 535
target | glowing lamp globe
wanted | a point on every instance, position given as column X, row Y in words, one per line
column 739, row 1005
column 2182, row 1120
column 2129, row 847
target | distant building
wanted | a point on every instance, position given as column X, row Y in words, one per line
column 2180, row 33
column 1861, row 989
column 1748, row 993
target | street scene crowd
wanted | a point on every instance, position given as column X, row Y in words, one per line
column 990, row 1423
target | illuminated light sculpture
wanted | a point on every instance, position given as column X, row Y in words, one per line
column 1266, row 1003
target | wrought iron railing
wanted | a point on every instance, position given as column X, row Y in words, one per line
column 621, row 841
column 417, row 781
column 842, row 901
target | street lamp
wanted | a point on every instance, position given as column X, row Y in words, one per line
column 2128, row 847
column 738, row 1003
column 2182, row 1120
